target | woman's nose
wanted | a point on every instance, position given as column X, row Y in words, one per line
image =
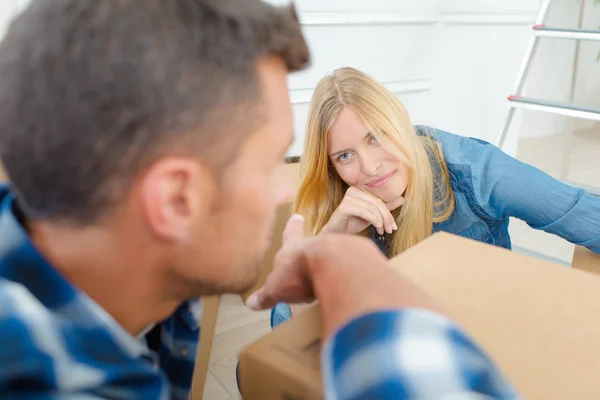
column 371, row 164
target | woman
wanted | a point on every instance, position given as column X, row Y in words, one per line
column 367, row 170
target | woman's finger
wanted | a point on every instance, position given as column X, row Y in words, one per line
column 389, row 223
column 366, row 212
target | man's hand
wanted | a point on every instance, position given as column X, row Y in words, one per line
column 348, row 275
column 289, row 281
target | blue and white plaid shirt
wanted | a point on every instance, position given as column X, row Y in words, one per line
column 56, row 342
column 409, row 354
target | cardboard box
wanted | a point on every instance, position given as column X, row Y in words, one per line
column 539, row 321
column 586, row 260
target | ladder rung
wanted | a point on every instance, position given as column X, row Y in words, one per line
column 560, row 33
column 555, row 107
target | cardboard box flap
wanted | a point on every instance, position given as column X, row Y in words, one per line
column 539, row 321
column 286, row 363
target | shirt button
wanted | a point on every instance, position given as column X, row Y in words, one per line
column 184, row 351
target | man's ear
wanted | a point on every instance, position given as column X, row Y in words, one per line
column 175, row 194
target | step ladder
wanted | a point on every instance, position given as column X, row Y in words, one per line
column 568, row 109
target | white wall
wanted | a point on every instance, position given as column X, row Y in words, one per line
column 451, row 62
column 8, row 8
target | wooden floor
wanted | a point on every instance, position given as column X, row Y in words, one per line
column 237, row 326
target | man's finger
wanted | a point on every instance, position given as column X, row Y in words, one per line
column 294, row 229
column 260, row 301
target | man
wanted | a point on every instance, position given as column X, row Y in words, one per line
column 143, row 140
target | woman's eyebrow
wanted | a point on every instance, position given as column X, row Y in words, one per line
column 335, row 153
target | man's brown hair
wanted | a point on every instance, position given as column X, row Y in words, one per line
column 93, row 91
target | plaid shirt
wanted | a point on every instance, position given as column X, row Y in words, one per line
column 410, row 354
column 58, row 343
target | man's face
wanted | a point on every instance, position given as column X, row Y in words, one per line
column 236, row 235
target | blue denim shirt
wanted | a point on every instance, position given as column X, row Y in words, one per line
column 490, row 187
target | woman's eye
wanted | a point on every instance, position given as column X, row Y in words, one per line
column 344, row 157
column 372, row 139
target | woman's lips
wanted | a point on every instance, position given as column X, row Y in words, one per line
column 379, row 182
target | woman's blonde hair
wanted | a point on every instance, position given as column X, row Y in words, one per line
column 429, row 197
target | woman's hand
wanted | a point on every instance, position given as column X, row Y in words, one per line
column 358, row 210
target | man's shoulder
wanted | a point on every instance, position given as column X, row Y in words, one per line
column 17, row 304
column 37, row 344
column 21, row 352
column 42, row 349
column 4, row 189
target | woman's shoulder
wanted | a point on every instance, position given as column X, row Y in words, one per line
column 446, row 136
column 457, row 149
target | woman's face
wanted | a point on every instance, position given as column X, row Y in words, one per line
column 361, row 161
